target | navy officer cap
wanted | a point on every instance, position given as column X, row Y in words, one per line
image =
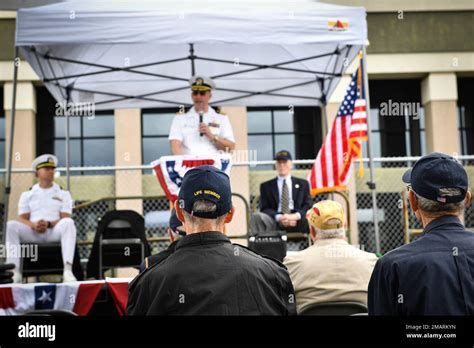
column 433, row 175
column 206, row 183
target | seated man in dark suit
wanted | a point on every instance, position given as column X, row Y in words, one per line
column 284, row 200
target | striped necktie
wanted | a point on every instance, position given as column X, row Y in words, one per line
column 285, row 198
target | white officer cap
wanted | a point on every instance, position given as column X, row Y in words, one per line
column 46, row 160
column 201, row 83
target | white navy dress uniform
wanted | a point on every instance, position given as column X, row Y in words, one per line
column 185, row 127
column 44, row 204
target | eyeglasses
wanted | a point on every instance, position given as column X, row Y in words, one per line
column 199, row 92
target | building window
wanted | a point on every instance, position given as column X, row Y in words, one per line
column 274, row 129
column 397, row 119
column 156, row 126
column 2, row 131
column 92, row 140
column 466, row 115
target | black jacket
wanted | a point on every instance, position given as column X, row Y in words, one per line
column 207, row 275
column 157, row 258
column 433, row 275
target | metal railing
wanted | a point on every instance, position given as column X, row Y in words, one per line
column 94, row 190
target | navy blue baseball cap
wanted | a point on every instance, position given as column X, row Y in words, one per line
column 207, row 183
column 434, row 175
column 174, row 223
column 283, row 155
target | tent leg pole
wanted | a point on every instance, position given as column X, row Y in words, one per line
column 371, row 183
column 324, row 116
column 67, row 153
column 8, row 177
column 192, row 57
column 68, row 179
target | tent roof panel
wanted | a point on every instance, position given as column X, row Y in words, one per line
column 186, row 21
column 141, row 53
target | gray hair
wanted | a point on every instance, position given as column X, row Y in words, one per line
column 430, row 206
column 203, row 206
column 332, row 233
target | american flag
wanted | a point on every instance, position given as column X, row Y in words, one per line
column 170, row 170
column 332, row 166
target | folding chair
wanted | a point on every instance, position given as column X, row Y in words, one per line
column 334, row 308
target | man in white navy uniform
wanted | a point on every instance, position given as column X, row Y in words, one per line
column 44, row 215
column 201, row 130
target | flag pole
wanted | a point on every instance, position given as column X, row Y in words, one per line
column 324, row 116
column 370, row 183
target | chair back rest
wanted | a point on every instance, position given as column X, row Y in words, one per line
column 335, row 308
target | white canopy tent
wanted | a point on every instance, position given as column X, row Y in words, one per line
column 141, row 53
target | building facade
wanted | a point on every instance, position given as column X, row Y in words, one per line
column 421, row 77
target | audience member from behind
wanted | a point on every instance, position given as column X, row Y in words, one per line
column 207, row 274
column 331, row 270
column 434, row 274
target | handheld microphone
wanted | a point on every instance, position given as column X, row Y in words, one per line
column 200, row 121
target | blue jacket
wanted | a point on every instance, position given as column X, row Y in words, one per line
column 433, row 275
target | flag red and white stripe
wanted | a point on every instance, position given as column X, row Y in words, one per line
column 16, row 299
column 118, row 287
column 170, row 170
column 78, row 297
column 331, row 169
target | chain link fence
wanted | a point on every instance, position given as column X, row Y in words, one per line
column 102, row 189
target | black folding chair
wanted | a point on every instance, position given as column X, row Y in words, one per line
column 49, row 261
column 334, row 308
column 6, row 273
column 51, row 312
column 113, row 252
column 120, row 241
column 269, row 243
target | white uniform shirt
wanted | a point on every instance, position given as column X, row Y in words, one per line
column 45, row 204
column 185, row 128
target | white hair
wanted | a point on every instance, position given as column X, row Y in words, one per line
column 429, row 206
column 332, row 233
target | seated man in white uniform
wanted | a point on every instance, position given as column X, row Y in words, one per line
column 44, row 215
column 201, row 130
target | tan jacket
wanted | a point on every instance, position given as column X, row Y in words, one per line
column 331, row 270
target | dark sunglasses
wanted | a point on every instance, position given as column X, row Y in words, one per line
column 199, row 92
